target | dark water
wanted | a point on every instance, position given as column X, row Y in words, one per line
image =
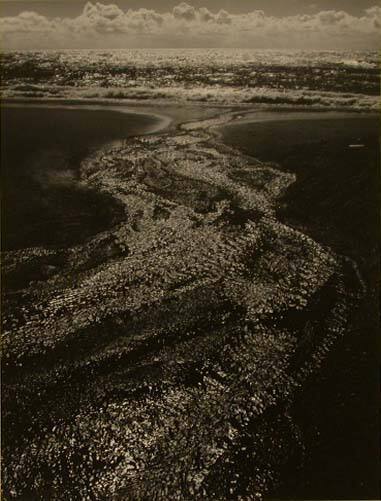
column 337, row 193
column 336, row 200
column 43, row 202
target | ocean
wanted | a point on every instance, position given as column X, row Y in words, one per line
column 225, row 76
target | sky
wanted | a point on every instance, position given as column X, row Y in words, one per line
column 316, row 24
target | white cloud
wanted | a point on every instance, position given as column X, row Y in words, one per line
column 106, row 25
column 184, row 11
column 223, row 17
column 97, row 10
column 205, row 15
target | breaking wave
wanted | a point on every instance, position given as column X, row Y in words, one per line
column 348, row 79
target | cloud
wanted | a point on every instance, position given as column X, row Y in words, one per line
column 205, row 15
column 106, row 25
column 25, row 22
column 223, row 17
column 99, row 10
column 184, row 11
column 332, row 17
column 373, row 11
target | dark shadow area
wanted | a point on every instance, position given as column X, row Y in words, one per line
column 44, row 203
column 335, row 200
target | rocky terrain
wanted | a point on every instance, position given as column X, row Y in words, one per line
column 159, row 358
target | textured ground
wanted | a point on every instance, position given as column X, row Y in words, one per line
column 158, row 359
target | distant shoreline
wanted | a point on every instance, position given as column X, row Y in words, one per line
column 135, row 105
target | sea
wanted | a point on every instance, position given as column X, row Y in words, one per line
column 226, row 76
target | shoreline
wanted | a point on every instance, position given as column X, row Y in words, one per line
column 173, row 118
column 136, row 104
